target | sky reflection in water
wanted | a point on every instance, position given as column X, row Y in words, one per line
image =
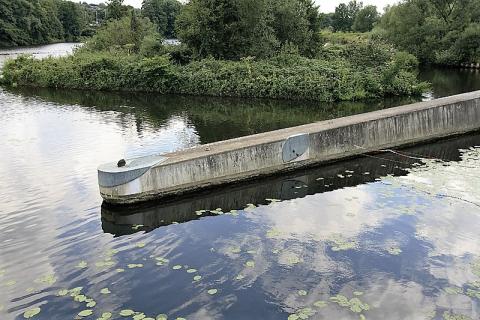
column 398, row 234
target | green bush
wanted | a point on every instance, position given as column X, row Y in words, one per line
column 285, row 76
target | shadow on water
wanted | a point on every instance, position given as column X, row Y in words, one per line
column 366, row 169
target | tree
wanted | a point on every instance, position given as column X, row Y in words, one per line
column 125, row 35
column 72, row 19
column 29, row 22
column 163, row 13
column 435, row 31
column 344, row 16
column 116, row 10
column 232, row 29
column 365, row 19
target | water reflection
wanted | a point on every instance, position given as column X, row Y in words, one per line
column 342, row 175
column 405, row 245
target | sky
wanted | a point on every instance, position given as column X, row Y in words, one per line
column 325, row 5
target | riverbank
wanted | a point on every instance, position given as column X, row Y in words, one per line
column 341, row 74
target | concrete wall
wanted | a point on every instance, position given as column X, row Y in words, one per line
column 271, row 152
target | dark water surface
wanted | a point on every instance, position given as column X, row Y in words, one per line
column 382, row 237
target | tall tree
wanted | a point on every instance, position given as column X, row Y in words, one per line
column 233, row 29
column 116, row 10
column 436, row 31
column 344, row 16
column 365, row 19
column 163, row 13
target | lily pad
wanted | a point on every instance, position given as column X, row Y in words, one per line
column 212, row 291
column 82, row 264
column 162, row 316
column 91, row 304
column 105, row 291
column 31, row 313
column 139, row 316
column 302, row 292
column 85, row 313
column 197, row 278
column 177, row 267
column 320, row 304
column 127, row 313
column 140, row 244
column 250, row 264
column 106, row 316
column 191, row 270
column 62, row 292
column 240, row 277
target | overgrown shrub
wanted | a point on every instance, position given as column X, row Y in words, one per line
column 285, row 76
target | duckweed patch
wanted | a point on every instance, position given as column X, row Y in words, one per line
column 452, row 316
column 338, row 243
column 354, row 304
column 303, row 313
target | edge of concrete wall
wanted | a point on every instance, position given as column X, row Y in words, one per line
column 259, row 155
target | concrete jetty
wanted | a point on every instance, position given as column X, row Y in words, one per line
column 152, row 177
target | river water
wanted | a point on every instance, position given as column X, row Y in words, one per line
column 390, row 236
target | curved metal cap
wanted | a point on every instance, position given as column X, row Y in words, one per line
column 111, row 175
column 295, row 146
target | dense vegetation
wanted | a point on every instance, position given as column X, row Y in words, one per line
column 366, row 70
column 443, row 32
column 248, row 48
column 235, row 29
column 29, row 22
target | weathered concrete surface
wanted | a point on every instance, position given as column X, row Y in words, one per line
column 288, row 149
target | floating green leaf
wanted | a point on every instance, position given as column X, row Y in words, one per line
column 120, row 270
column 91, row 304
column 162, row 316
column 357, row 293
column 302, row 292
column 48, row 279
column 212, row 291
column 453, row 290
column 140, row 244
column 191, row 270
column 85, row 313
column 452, row 316
column 82, row 264
column 105, row 291
column 31, row 313
column 139, row 316
column 340, row 300
column 177, row 267
column 240, row 277
column 80, row 298
column 250, row 264
column 134, row 265
column 127, row 313
column 235, row 250
column 320, row 304
column 106, row 316
column 62, row 292
column 197, row 278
